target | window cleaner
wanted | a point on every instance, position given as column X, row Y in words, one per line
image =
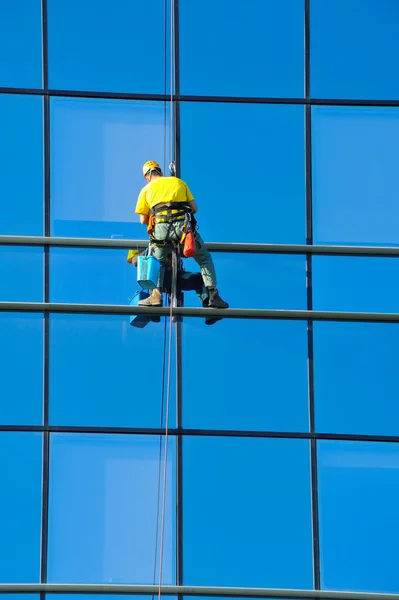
column 163, row 204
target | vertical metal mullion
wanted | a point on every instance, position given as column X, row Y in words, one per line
column 179, row 345
column 46, row 434
column 309, row 294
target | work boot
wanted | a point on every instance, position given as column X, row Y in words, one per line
column 215, row 300
column 154, row 300
column 210, row 320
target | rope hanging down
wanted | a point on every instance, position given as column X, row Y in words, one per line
column 173, row 295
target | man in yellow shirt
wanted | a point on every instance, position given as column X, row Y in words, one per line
column 169, row 199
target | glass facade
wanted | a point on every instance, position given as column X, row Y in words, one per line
column 262, row 451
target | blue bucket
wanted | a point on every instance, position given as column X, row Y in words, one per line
column 148, row 268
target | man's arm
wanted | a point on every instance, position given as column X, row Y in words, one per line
column 142, row 208
column 193, row 206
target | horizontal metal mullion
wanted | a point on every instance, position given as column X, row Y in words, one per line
column 188, row 432
column 389, row 102
column 237, row 248
column 186, row 590
column 231, row 313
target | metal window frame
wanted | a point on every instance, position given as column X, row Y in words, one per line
column 187, row 590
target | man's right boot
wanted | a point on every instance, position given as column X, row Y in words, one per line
column 155, row 299
column 215, row 300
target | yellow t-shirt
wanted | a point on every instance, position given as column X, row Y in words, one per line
column 162, row 190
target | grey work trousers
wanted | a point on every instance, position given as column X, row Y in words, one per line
column 173, row 232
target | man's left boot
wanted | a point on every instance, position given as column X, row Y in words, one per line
column 155, row 299
column 215, row 300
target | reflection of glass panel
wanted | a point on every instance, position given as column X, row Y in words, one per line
column 250, row 187
column 257, row 280
column 21, row 360
column 21, row 274
column 359, row 519
column 355, row 175
column 91, row 276
column 103, row 372
column 255, row 49
column 354, row 49
column 20, row 506
column 246, row 384
column 21, row 164
column 356, row 377
column 104, row 46
column 97, row 150
column 21, row 44
column 103, row 509
column 356, row 283
column 247, row 512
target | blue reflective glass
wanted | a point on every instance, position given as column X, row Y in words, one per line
column 254, row 49
column 91, row 276
column 20, row 506
column 354, row 48
column 21, row 165
column 244, row 166
column 104, row 372
column 356, row 377
column 355, row 283
column 21, row 274
column 97, row 150
column 355, row 175
column 116, row 46
column 247, row 505
column 358, row 515
column 244, row 384
column 21, row 359
column 256, row 281
column 103, row 509
column 21, row 43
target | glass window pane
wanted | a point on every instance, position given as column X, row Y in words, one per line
column 101, row 374
column 246, row 384
column 358, row 515
column 107, row 485
column 259, row 53
column 105, row 46
column 21, row 274
column 356, row 377
column 21, row 164
column 21, row 43
column 21, row 359
column 364, row 62
column 247, row 512
column 256, row 280
column 363, row 284
column 91, row 276
column 355, row 175
column 20, row 506
column 97, row 150
column 244, row 166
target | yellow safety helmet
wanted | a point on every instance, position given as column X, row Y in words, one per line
column 150, row 164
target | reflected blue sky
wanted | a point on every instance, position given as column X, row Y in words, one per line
column 359, row 482
column 107, row 485
column 20, row 506
column 354, row 49
column 355, row 176
column 256, row 49
column 21, row 164
column 247, row 512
